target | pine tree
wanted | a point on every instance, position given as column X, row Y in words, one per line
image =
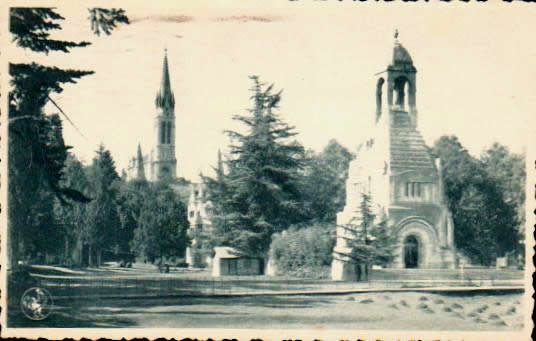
column 103, row 215
column 36, row 150
column 260, row 193
column 372, row 242
column 106, row 19
column 73, row 215
column 363, row 222
column 217, row 190
column 220, row 172
column 131, row 199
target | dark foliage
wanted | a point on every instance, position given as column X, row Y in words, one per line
column 30, row 28
column 304, row 252
column 37, row 152
column 106, row 20
column 324, row 182
column 162, row 225
column 485, row 222
column 371, row 241
column 260, row 194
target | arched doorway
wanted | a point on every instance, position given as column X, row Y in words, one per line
column 411, row 252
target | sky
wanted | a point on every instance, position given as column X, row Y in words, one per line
column 475, row 80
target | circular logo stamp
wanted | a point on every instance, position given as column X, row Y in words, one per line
column 36, row 303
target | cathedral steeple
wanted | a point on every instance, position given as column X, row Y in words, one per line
column 165, row 98
column 163, row 161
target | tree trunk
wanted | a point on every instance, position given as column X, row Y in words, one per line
column 90, row 252
column 66, row 253
column 13, row 248
column 81, row 250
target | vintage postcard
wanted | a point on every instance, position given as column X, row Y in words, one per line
column 275, row 170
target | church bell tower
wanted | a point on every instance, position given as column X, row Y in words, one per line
column 164, row 162
column 403, row 182
column 401, row 88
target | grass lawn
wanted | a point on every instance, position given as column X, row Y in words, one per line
column 403, row 311
column 145, row 279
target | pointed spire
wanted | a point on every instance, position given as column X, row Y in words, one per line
column 140, row 165
column 165, row 98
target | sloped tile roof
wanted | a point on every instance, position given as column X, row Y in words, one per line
column 407, row 147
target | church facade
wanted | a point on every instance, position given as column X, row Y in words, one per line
column 395, row 168
column 160, row 164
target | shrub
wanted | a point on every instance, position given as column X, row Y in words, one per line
column 303, row 252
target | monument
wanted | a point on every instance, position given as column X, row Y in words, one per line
column 395, row 168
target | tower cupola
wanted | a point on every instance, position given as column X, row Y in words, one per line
column 401, row 88
column 401, row 58
column 401, row 79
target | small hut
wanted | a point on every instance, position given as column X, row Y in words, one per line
column 230, row 262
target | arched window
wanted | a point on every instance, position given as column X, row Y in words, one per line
column 379, row 87
column 163, row 132
column 401, row 87
column 169, row 132
column 164, row 173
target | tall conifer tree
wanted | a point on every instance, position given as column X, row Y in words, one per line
column 103, row 215
column 260, row 193
column 36, row 149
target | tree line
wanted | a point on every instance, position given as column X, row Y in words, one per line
column 123, row 220
column 270, row 184
column 486, row 196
